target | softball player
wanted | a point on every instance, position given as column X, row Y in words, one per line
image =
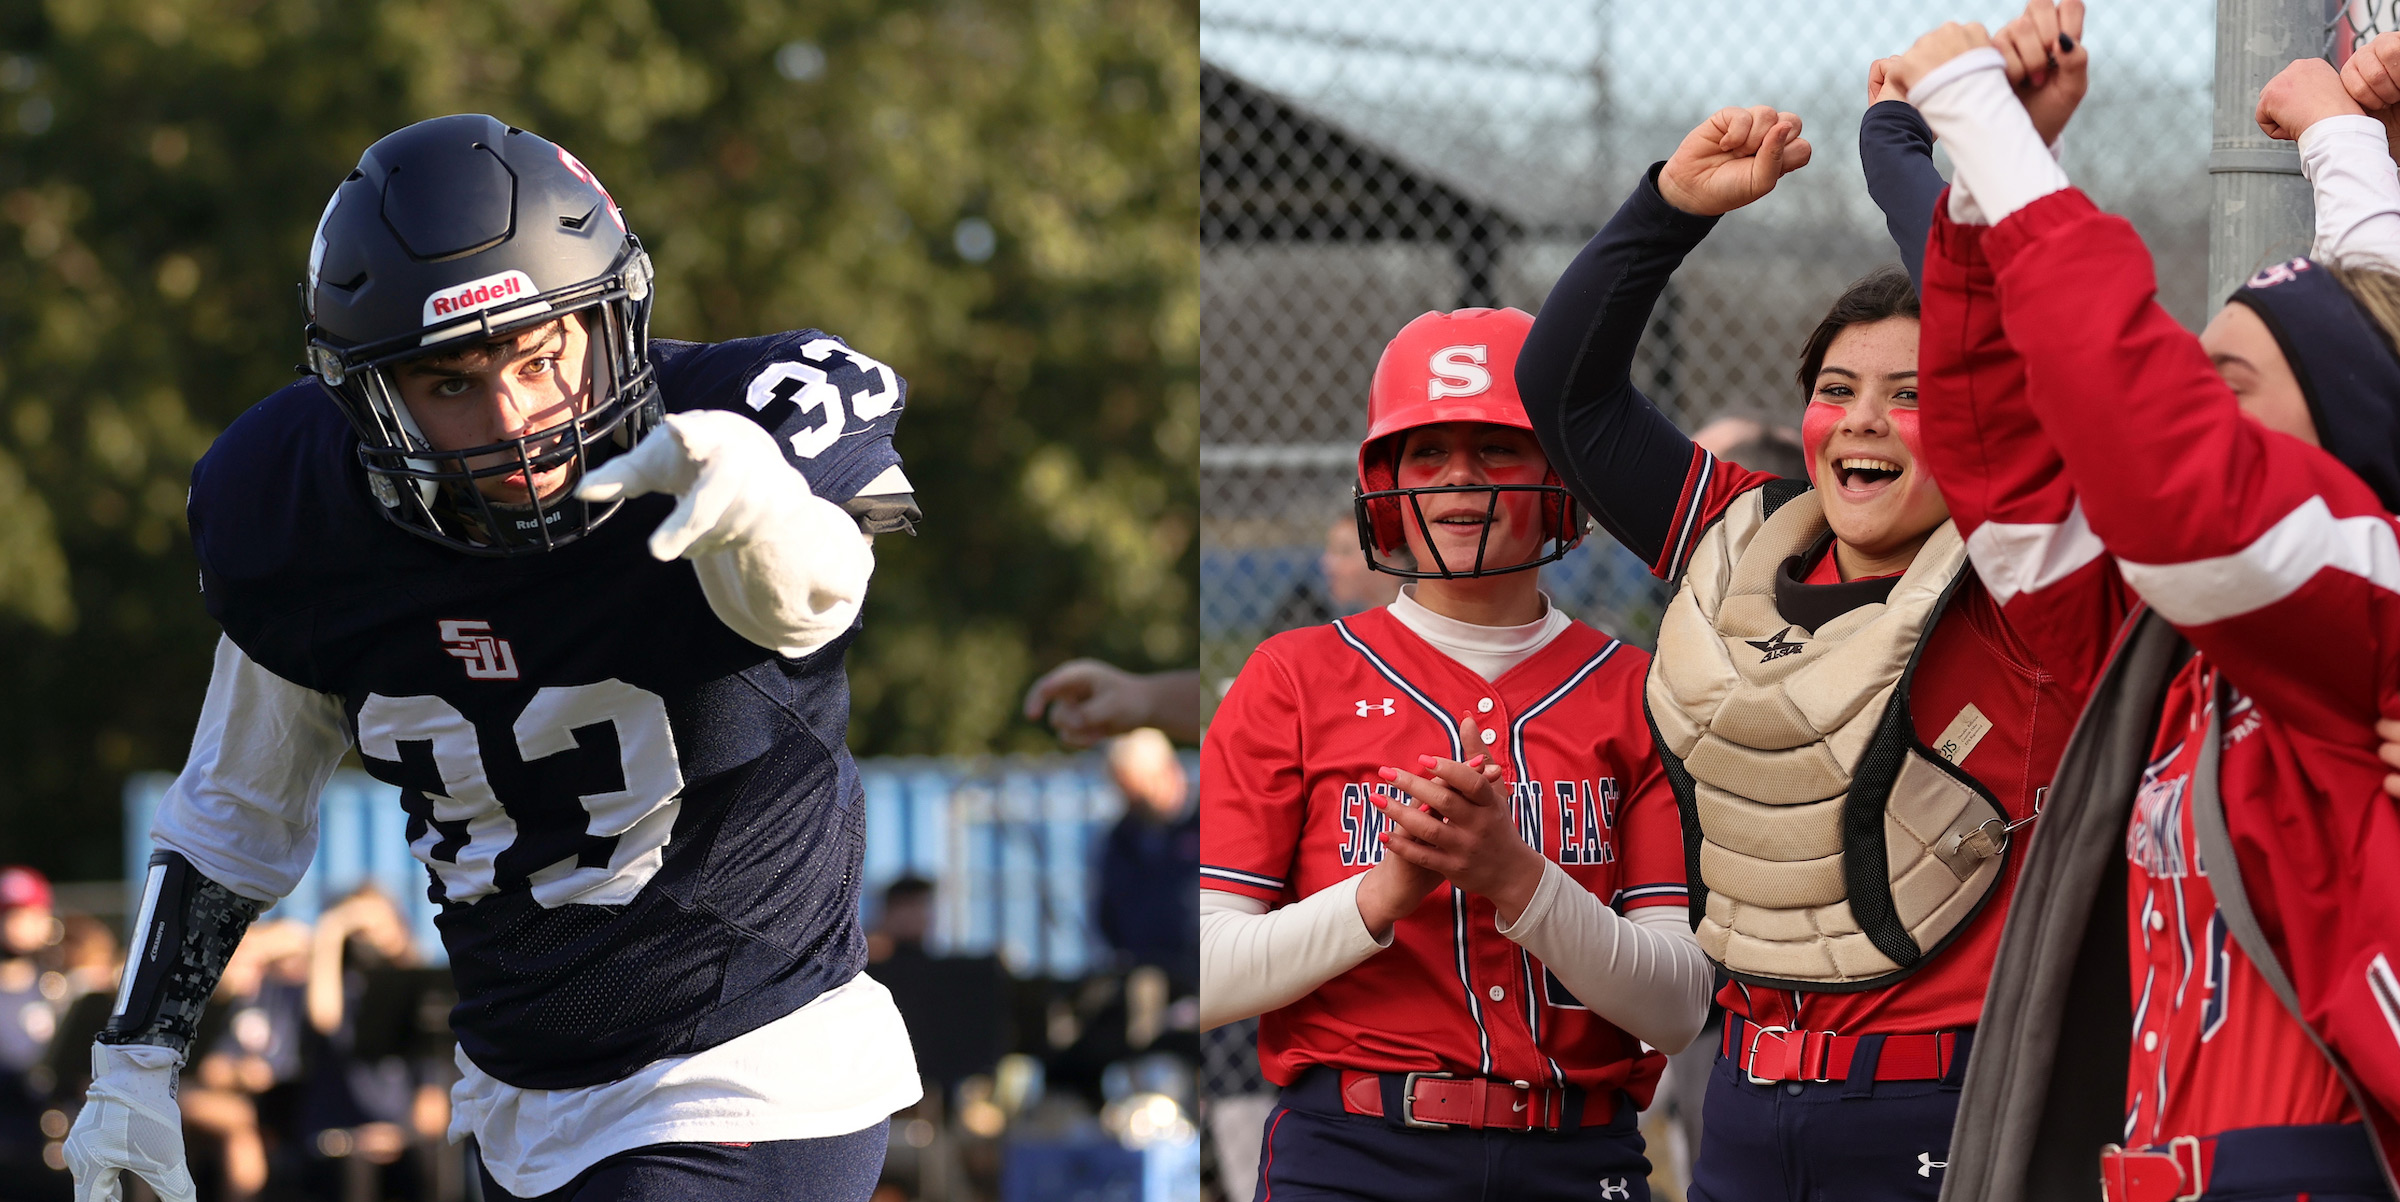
column 1456, row 1007
column 2213, row 868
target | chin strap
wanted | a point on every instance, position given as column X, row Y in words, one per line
column 187, row 929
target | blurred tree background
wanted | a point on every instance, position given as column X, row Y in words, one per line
column 998, row 197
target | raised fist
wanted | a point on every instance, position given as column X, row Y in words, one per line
column 2300, row 95
column 1733, row 158
column 2372, row 77
column 2047, row 64
column 1932, row 50
column 1880, row 86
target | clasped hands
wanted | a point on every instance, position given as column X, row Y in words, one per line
column 1453, row 823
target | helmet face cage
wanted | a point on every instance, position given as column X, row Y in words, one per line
column 1382, row 512
column 434, row 493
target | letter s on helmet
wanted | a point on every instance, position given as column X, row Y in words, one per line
column 1448, row 367
column 451, row 233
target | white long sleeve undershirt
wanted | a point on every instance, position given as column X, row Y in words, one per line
column 1644, row 973
column 2348, row 162
column 2002, row 162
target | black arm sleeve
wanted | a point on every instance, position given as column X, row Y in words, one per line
column 186, row 931
column 1895, row 147
column 1621, row 457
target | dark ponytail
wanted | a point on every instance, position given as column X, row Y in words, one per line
column 1885, row 293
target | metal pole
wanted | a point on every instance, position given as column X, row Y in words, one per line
column 2262, row 212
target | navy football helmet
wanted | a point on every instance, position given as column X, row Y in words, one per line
column 453, row 233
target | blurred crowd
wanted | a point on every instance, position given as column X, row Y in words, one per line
column 1039, row 1089
column 321, row 1070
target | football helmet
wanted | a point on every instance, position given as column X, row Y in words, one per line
column 1448, row 367
column 454, row 233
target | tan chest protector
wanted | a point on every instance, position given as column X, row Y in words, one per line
column 1829, row 849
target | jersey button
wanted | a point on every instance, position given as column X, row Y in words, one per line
column 1484, row 706
column 2158, row 921
column 2149, row 1041
column 1490, row 736
column 1499, row 994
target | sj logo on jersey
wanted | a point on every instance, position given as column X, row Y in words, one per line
column 487, row 658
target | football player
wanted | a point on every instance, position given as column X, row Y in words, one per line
column 583, row 598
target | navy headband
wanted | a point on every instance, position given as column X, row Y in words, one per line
column 2345, row 364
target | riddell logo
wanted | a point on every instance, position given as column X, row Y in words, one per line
column 487, row 658
column 477, row 294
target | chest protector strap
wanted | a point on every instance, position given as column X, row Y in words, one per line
column 1828, row 848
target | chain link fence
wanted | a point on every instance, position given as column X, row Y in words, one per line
column 1363, row 162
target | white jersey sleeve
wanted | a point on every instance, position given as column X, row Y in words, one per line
column 244, row 809
column 1645, row 973
column 2348, row 162
column 1253, row 959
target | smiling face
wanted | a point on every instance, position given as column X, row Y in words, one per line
column 2246, row 354
column 1471, row 454
column 534, row 380
column 1861, row 437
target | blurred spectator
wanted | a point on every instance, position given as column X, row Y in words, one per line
column 1150, row 871
column 1348, row 580
column 1349, row 585
column 88, row 957
column 369, row 1093
column 28, row 1019
column 1755, row 445
column 1086, row 701
column 955, row 1006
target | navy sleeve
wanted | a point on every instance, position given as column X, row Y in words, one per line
column 833, row 409
column 1895, row 147
column 1620, row 456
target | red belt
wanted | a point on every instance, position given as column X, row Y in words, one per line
column 2176, row 1173
column 1439, row 1100
column 1770, row 1054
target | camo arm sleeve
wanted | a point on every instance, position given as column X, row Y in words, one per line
column 186, row 930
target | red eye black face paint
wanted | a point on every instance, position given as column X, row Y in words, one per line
column 1816, row 426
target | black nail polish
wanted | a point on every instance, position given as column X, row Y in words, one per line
column 2066, row 45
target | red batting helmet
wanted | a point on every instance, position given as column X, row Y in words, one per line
column 1448, row 367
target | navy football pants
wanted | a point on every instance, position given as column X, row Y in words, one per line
column 838, row 1168
column 1867, row 1141
column 1315, row 1151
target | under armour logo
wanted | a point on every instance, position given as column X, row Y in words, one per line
column 1926, row 1164
column 487, row 658
column 1615, row 1187
column 1777, row 647
column 1369, row 707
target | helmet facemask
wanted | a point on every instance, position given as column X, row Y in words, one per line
column 438, row 494
column 1385, row 511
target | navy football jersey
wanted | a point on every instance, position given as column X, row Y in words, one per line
column 644, row 831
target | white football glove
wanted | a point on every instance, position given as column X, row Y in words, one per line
column 129, row 1123
column 782, row 567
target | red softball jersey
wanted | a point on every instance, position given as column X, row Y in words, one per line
column 2213, row 1049
column 1286, row 771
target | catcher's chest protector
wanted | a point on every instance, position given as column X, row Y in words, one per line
column 1828, row 848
